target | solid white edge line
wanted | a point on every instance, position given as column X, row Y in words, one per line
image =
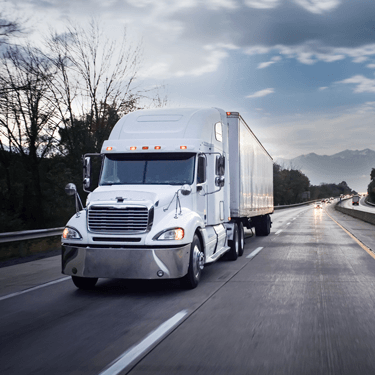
column 279, row 231
column 255, row 252
column 125, row 359
column 34, row 288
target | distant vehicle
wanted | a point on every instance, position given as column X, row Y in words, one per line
column 318, row 205
column 355, row 200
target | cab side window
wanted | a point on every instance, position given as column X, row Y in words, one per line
column 201, row 173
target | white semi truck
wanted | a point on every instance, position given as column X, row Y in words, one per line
column 176, row 189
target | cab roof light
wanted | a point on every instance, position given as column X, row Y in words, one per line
column 183, row 147
column 132, row 148
column 109, row 148
column 157, row 147
column 145, row 148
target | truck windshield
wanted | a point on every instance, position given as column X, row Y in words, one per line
column 155, row 169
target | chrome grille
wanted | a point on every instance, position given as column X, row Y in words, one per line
column 110, row 219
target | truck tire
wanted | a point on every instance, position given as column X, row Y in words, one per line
column 234, row 244
column 196, row 265
column 263, row 226
column 241, row 233
column 85, row 283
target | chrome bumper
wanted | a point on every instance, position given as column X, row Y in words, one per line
column 136, row 263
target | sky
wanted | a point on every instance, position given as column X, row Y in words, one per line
column 300, row 72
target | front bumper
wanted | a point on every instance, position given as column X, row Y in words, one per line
column 125, row 263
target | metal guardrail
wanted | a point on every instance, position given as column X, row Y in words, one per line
column 30, row 234
column 368, row 202
column 295, row 204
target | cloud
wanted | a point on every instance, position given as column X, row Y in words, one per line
column 268, row 63
column 322, row 133
column 318, row 6
column 261, row 93
column 371, row 66
column 262, row 4
column 323, row 88
column 362, row 83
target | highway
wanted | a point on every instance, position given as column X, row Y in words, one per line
column 300, row 301
column 363, row 206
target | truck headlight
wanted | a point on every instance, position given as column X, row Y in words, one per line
column 170, row 234
column 71, row 233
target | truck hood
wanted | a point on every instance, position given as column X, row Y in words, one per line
column 148, row 194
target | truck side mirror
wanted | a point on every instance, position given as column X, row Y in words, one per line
column 220, row 181
column 86, row 173
column 220, row 165
column 70, row 189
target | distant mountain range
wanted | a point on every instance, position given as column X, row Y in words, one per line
column 352, row 166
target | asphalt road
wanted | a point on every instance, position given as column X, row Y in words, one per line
column 363, row 206
column 300, row 301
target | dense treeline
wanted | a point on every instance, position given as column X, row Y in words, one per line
column 292, row 186
column 58, row 101
column 371, row 187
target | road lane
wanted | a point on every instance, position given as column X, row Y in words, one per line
column 304, row 305
column 258, row 313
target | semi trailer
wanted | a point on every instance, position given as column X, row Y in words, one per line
column 177, row 188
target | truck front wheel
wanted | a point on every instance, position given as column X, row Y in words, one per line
column 85, row 283
column 196, row 265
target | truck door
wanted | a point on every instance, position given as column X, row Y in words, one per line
column 215, row 203
column 201, row 197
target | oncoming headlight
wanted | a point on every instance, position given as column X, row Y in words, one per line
column 170, row 234
column 70, row 233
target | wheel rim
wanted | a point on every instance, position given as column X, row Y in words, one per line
column 198, row 261
column 242, row 236
column 236, row 244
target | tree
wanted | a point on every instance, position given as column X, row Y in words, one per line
column 8, row 28
column 289, row 185
column 28, row 122
column 371, row 186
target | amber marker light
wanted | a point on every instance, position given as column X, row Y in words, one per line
column 65, row 233
column 109, row 148
column 228, row 113
column 157, row 147
column 145, row 148
column 183, row 147
column 179, row 234
column 133, row 148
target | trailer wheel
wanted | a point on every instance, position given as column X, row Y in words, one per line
column 241, row 234
column 84, row 283
column 234, row 244
column 196, row 265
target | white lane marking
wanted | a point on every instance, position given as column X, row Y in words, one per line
column 34, row 288
column 279, row 231
column 287, row 223
column 136, row 351
column 255, row 252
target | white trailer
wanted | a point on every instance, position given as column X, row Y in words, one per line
column 176, row 189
